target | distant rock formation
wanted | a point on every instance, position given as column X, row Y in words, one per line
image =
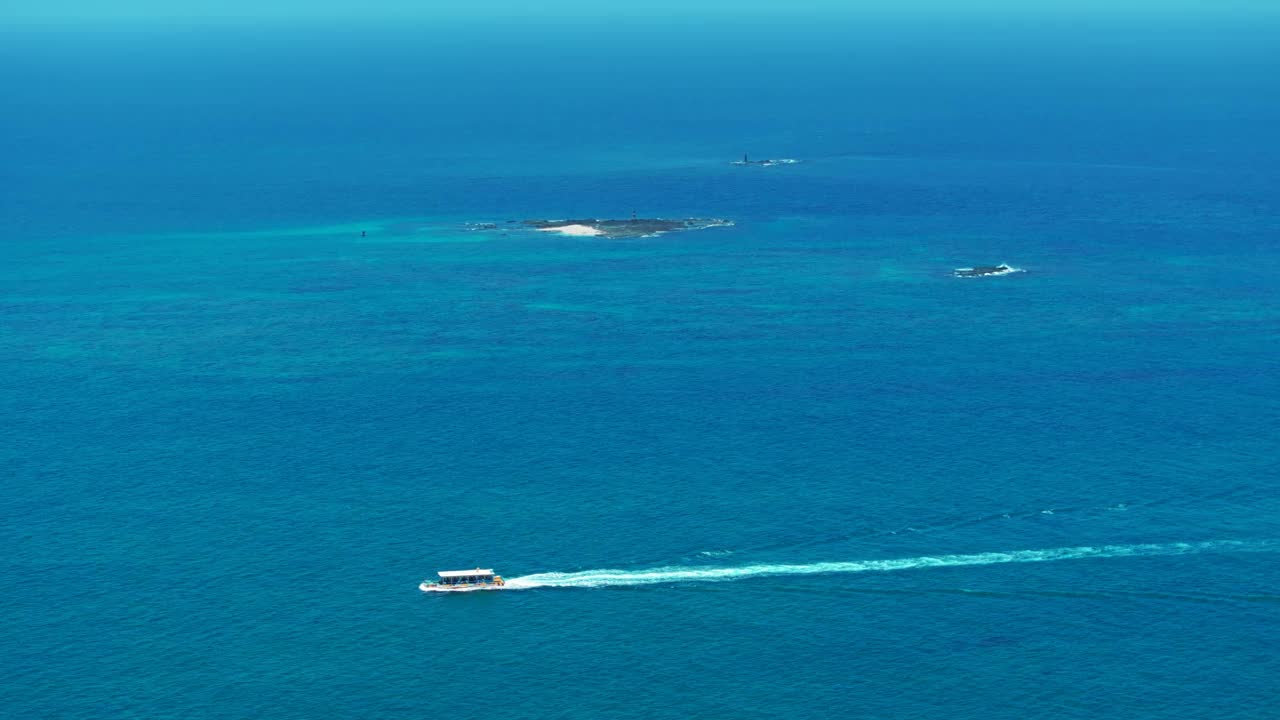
column 764, row 163
column 986, row 270
column 633, row 228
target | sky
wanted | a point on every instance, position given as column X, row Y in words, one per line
column 142, row 12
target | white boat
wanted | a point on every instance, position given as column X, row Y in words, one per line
column 464, row 581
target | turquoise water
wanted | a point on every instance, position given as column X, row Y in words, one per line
column 791, row 466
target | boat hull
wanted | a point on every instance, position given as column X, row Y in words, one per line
column 432, row 587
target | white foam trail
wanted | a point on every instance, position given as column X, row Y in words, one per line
column 614, row 578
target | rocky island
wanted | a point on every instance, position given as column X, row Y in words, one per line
column 633, row 228
column 986, row 270
column 764, row 163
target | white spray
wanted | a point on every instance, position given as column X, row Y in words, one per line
column 611, row 578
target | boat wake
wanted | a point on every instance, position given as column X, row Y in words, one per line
column 677, row 574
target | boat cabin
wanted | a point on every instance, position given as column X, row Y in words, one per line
column 466, row 577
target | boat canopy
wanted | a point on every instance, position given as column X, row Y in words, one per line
column 465, row 573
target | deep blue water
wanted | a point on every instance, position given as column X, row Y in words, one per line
column 236, row 434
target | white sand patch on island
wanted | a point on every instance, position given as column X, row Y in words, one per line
column 578, row 230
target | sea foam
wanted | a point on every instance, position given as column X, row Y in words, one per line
column 678, row 574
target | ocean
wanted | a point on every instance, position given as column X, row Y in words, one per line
column 261, row 373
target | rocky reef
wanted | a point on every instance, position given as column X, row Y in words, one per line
column 986, row 270
column 745, row 161
column 633, row 228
